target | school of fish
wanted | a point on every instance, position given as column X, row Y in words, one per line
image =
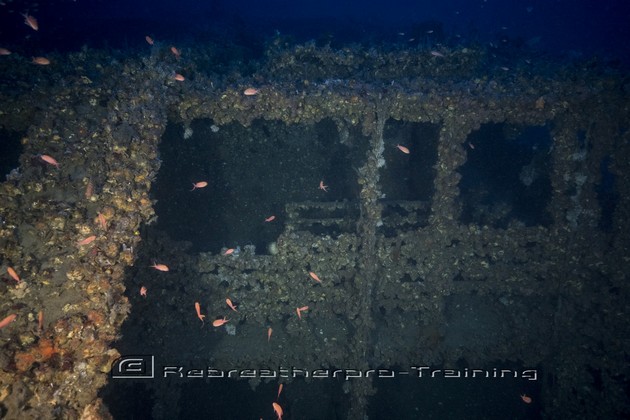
column 101, row 221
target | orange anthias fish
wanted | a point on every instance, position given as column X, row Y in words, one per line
column 4, row 51
column 199, row 315
column 6, row 321
column 270, row 219
column 314, row 277
column 250, row 92
column 278, row 410
column 143, row 291
column 50, row 160
column 178, row 77
column 102, row 221
column 230, row 304
column 526, row 399
column 87, row 240
column 13, row 274
column 89, row 190
column 322, row 186
column 300, row 310
column 40, row 321
column 159, row 267
column 269, row 332
column 229, row 251
column 149, row 40
column 30, row 21
column 279, row 391
column 176, row 52
column 200, row 184
column 42, row 61
column 219, row 322
column 403, row 149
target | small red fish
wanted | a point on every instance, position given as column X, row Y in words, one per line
column 322, row 186
column 279, row 391
column 13, row 274
column 230, row 304
column 143, row 291
column 6, row 321
column 176, row 52
column 314, row 277
column 102, row 221
column 160, row 267
column 219, row 322
column 89, row 190
column 270, row 219
column 403, row 149
column 526, row 399
column 278, row 410
column 42, row 61
column 269, row 332
column 229, row 251
column 300, row 310
column 200, row 184
column 437, row 54
column 87, row 240
column 30, row 21
column 250, row 92
column 199, row 315
column 149, row 40
column 50, row 160
column 4, row 51
column 179, row 77
column 40, row 321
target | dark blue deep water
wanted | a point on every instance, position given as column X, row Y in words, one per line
column 572, row 28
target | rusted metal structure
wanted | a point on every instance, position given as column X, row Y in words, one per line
column 402, row 279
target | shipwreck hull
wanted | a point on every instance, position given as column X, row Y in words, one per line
column 415, row 265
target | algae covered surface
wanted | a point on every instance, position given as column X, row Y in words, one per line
column 496, row 241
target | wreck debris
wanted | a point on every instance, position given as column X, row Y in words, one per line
column 394, row 270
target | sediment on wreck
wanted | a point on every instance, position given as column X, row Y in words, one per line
column 104, row 137
column 369, row 221
column 391, row 294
